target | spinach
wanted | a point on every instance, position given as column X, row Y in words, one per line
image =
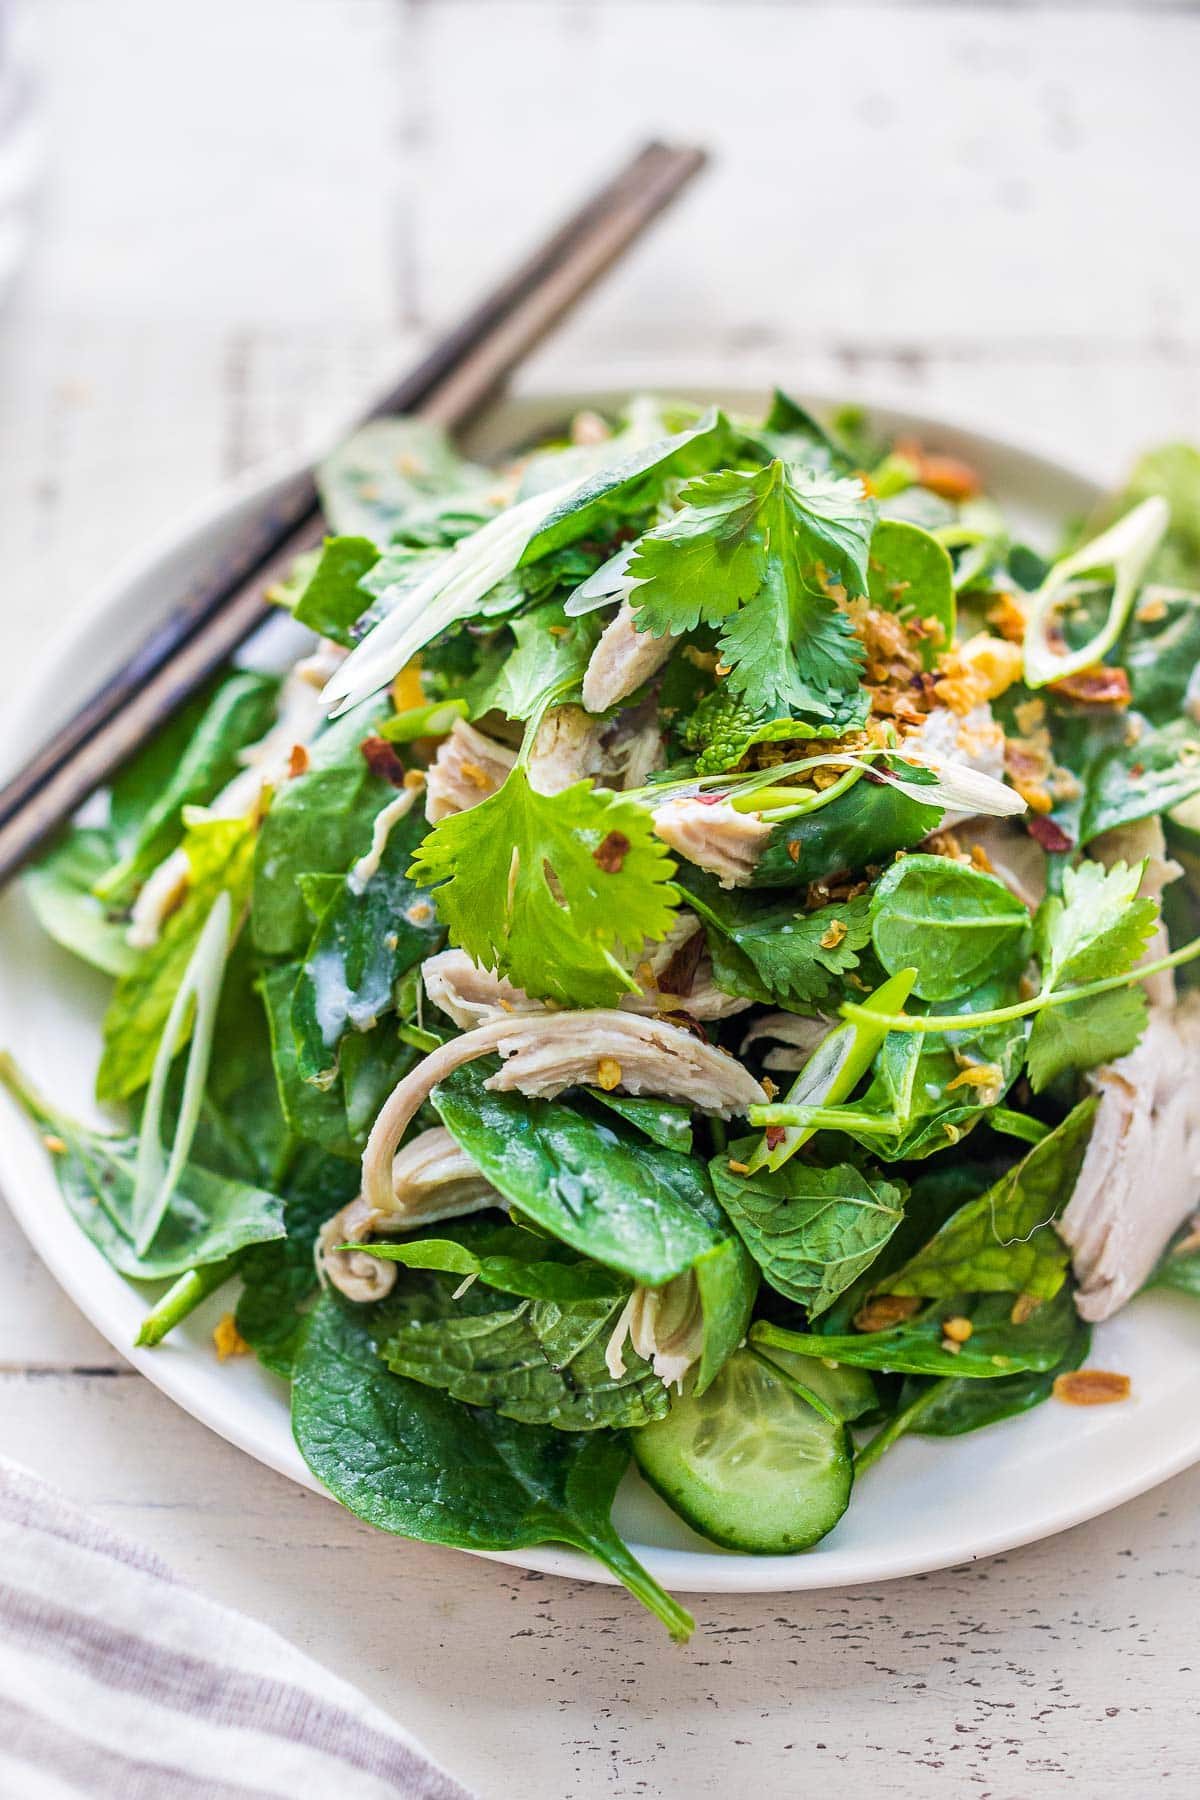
column 667, row 1123
column 541, row 1361
column 953, row 1408
column 507, row 1258
column 910, row 572
column 402, row 478
column 868, row 824
column 59, row 888
column 412, row 1460
column 241, row 710
column 646, row 1212
column 318, row 823
column 996, row 1346
column 333, row 598
column 366, row 939
column 208, row 1217
column 1004, row 1241
column 1180, row 1265
column 280, row 1278
column 220, row 853
column 955, row 926
column 727, row 1279
column 811, row 1231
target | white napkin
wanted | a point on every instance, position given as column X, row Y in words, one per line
column 119, row 1681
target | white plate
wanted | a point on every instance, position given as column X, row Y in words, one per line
column 929, row 1504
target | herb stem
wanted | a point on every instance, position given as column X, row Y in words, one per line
column 1021, row 1009
column 822, row 1118
column 1017, row 1124
column 896, row 1427
column 182, row 1298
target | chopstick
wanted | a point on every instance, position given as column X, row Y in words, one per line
column 448, row 386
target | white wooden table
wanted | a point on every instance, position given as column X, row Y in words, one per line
column 254, row 207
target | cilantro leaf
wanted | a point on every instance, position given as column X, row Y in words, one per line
column 520, row 887
column 1098, row 927
column 551, row 654
column 1085, row 1034
column 754, row 555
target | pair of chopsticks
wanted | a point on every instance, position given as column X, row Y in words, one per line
column 449, row 386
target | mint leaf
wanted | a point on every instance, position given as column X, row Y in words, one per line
column 756, row 555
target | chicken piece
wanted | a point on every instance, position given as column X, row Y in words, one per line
column 664, row 1325
column 796, row 1037
column 1129, row 844
column 714, row 837
column 975, row 740
column 431, row 1179
column 621, row 661
column 549, row 1052
column 468, row 768
column 1012, row 856
column 162, row 891
column 566, row 749
column 676, row 976
column 470, row 995
column 633, row 748
column 1141, row 1174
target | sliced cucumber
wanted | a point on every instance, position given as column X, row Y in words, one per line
column 849, row 1392
column 749, row 1463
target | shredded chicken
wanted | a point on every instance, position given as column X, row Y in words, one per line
column 470, row 995
column 796, row 1037
column 431, row 1179
column 549, row 1052
column 621, row 661
column 567, row 748
column 1141, row 1173
column 664, row 1325
column 1129, row 844
column 468, row 768
column 1012, row 856
column 726, row 843
column 633, row 748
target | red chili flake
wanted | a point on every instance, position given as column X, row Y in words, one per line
column 1097, row 686
column 297, row 760
column 709, row 799
column 383, row 760
column 775, row 1135
column 1053, row 839
column 610, row 854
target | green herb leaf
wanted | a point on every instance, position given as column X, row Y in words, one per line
column 507, row 1258
column 59, row 888
column 412, row 1460
column 961, row 1406
column 995, row 1348
column 752, row 554
column 664, row 1122
column 521, row 887
column 280, row 1279
column 332, row 599
column 796, row 959
column 955, row 926
column 910, row 572
column 1098, row 927
column 811, row 1231
column 1085, row 1034
column 402, row 478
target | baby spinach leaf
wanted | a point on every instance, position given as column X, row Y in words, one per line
column 507, row 1258
column 1085, row 1034
column 961, row 1406
column 221, row 855
column 1180, row 1265
column 241, row 710
column 996, row 1346
column 955, row 926
column 403, row 478
column 318, row 823
column 333, row 598
column 664, row 1122
column 811, row 1231
column 752, row 554
column 910, row 572
column 727, row 1278
column 647, row 1212
column 541, row 1361
column 366, row 938
column 280, row 1278
column 412, row 1460
column 1004, row 1241
column 59, row 888
column 868, row 824
column 207, row 1219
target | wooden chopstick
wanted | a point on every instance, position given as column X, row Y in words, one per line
column 448, row 386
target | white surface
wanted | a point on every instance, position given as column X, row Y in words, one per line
column 931, row 1504
column 219, row 275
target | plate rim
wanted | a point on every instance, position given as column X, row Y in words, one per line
column 109, row 1303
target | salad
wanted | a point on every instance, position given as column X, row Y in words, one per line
column 688, row 963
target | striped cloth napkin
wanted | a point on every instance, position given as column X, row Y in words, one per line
column 119, row 1682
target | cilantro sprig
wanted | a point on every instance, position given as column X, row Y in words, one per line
column 756, row 556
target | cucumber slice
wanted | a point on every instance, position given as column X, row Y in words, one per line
column 749, row 1464
column 849, row 1392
